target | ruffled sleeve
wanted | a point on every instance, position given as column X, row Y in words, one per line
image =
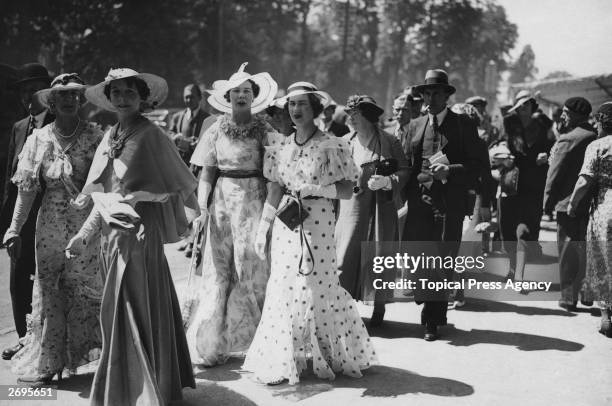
column 205, row 153
column 34, row 152
column 334, row 162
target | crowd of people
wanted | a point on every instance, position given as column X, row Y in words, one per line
column 278, row 191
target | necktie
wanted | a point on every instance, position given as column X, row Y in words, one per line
column 32, row 125
column 436, row 131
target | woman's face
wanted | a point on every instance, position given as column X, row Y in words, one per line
column 66, row 102
column 300, row 109
column 124, row 98
column 241, row 97
column 357, row 121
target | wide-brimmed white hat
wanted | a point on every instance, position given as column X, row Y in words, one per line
column 521, row 98
column 158, row 88
column 298, row 88
column 64, row 81
column 267, row 90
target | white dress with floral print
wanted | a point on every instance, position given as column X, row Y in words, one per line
column 64, row 327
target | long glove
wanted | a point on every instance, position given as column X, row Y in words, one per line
column 261, row 238
column 204, row 189
column 11, row 240
column 329, row 191
column 77, row 244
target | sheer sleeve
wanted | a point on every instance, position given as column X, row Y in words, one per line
column 273, row 143
column 334, row 162
column 34, row 152
column 590, row 160
column 205, row 153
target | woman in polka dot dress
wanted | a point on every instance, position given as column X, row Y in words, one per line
column 307, row 314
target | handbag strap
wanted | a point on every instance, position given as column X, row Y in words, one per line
column 303, row 238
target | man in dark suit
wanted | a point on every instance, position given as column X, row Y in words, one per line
column 437, row 193
column 329, row 124
column 186, row 124
column 33, row 77
column 565, row 163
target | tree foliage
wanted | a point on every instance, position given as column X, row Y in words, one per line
column 350, row 46
column 524, row 68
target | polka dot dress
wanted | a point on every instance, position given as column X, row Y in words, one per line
column 308, row 316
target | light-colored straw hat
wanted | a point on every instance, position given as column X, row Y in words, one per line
column 299, row 88
column 158, row 88
column 267, row 90
column 65, row 81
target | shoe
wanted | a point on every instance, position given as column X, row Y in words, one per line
column 9, row 352
column 431, row 332
column 459, row 303
column 40, row 379
column 587, row 303
column 278, row 381
column 510, row 274
column 182, row 247
column 606, row 328
column 188, row 252
column 570, row 307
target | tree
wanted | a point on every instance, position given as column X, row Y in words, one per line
column 524, row 69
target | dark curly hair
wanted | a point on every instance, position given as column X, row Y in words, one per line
column 133, row 82
column 254, row 86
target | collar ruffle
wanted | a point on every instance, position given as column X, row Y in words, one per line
column 256, row 128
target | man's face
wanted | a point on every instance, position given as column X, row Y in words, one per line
column 402, row 110
column 26, row 93
column 570, row 118
column 191, row 98
column 436, row 98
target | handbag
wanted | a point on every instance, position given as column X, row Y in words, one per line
column 291, row 214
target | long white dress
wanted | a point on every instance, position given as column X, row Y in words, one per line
column 308, row 314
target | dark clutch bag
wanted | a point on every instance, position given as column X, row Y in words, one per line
column 290, row 214
column 386, row 167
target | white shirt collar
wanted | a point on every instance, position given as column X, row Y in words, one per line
column 440, row 116
column 188, row 114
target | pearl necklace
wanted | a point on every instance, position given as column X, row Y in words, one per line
column 66, row 137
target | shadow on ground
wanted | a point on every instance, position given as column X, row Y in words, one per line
column 481, row 305
column 378, row 381
column 210, row 393
column 221, row 373
column 464, row 338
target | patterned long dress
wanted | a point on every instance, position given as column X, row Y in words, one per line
column 231, row 291
column 64, row 327
column 598, row 166
column 307, row 314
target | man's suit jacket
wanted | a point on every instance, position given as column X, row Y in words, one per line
column 566, row 160
column 179, row 124
column 16, row 142
column 462, row 151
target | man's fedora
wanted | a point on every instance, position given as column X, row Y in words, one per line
column 33, row 71
column 436, row 78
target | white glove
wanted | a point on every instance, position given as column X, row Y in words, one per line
column 261, row 238
column 307, row 189
column 204, row 189
column 377, row 182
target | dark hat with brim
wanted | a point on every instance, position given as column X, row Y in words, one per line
column 365, row 103
column 476, row 101
column 579, row 105
column 31, row 72
column 436, row 78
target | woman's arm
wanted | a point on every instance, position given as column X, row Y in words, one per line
column 583, row 184
column 23, row 205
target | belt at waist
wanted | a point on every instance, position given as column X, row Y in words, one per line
column 240, row 174
column 290, row 193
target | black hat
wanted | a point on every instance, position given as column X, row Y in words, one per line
column 436, row 78
column 33, row 71
column 578, row 105
column 365, row 103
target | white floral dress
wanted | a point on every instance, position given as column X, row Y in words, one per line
column 308, row 314
column 64, row 327
column 231, row 291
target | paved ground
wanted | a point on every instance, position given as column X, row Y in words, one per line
column 492, row 353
